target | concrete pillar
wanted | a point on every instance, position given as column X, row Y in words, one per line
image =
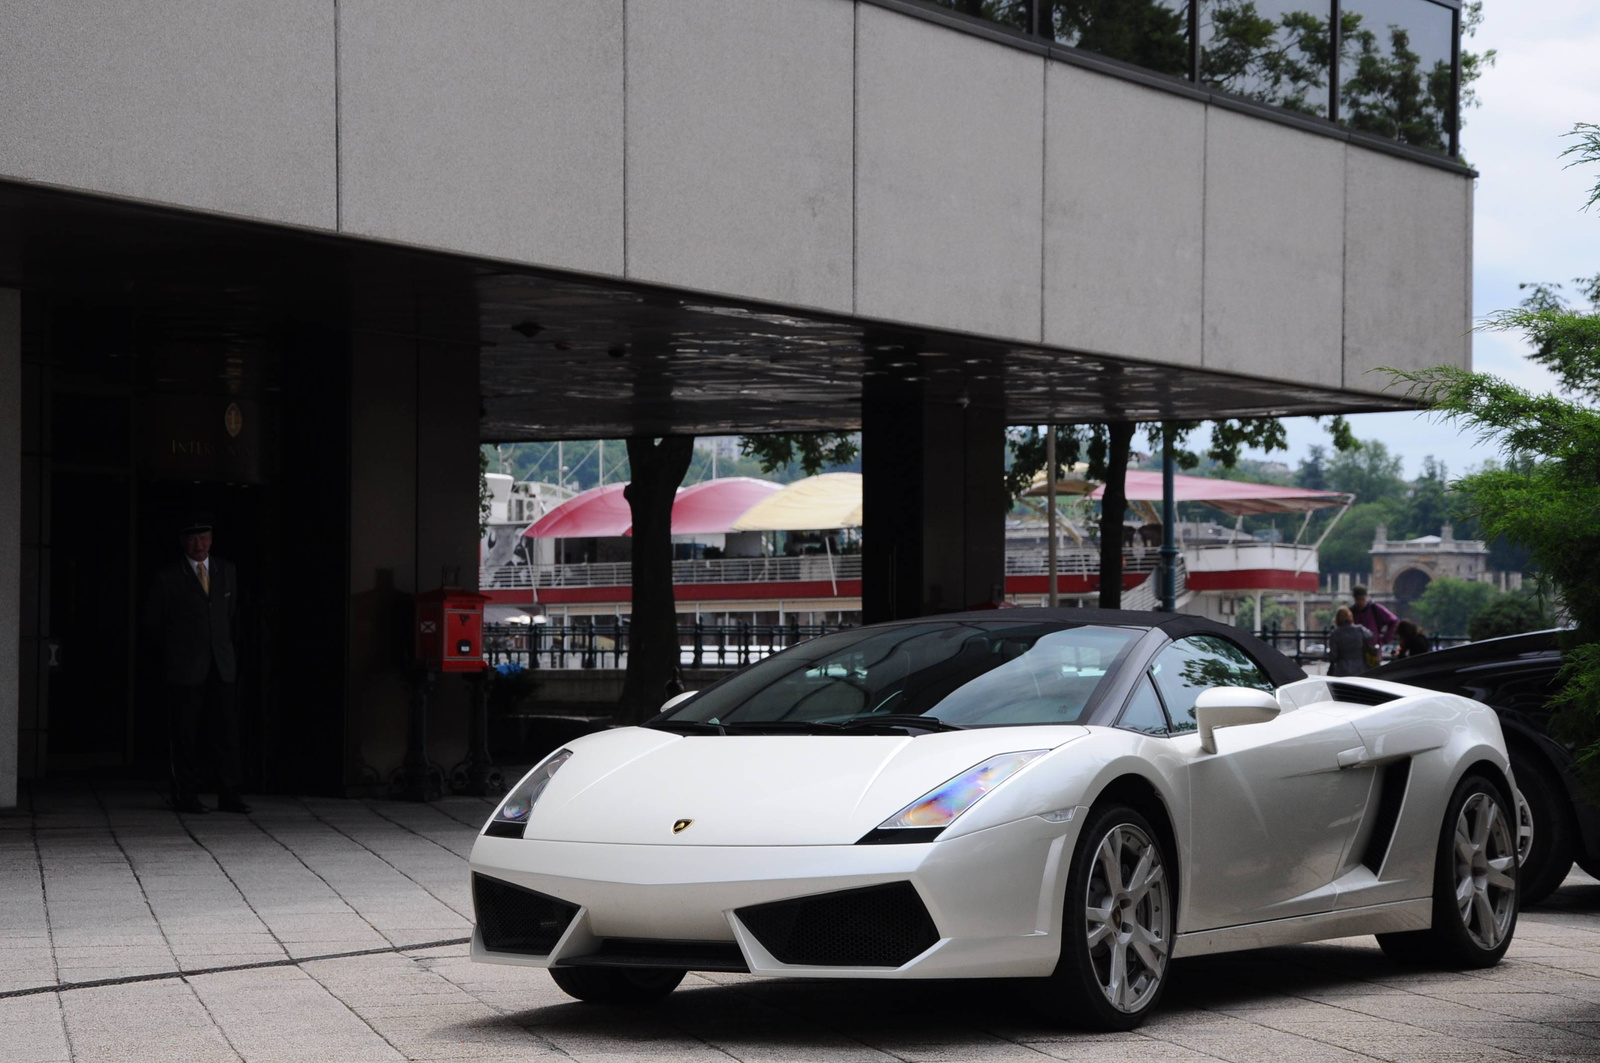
column 10, row 537
column 413, row 522
column 934, row 503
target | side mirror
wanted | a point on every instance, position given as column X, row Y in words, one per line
column 1231, row 707
column 677, row 699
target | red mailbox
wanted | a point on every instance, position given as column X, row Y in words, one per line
column 450, row 630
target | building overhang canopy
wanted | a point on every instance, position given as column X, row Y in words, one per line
column 568, row 356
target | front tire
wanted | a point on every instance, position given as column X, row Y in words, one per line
column 616, row 985
column 1474, row 883
column 1117, row 930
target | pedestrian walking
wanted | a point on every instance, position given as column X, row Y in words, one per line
column 1379, row 622
column 1347, row 645
column 190, row 616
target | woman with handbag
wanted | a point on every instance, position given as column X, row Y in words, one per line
column 1346, row 645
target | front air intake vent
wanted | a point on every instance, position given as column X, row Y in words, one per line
column 879, row 926
column 1356, row 694
column 514, row 919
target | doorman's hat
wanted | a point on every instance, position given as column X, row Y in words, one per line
column 195, row 523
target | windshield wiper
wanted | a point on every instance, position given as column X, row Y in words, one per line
column 899, row 720
column 745, row 727
column 686, row 726
column 807, row 727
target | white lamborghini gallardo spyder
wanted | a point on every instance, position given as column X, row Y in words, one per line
column 1072, row 797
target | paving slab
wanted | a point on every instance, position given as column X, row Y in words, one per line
column 110, row 885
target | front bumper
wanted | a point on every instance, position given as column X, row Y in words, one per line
column 994, row 896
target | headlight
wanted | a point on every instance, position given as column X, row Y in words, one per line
column 512, row 815
column 931, row 813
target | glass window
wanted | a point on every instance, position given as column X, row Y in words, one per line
column 1017, row 14
column 1274, row 51
column 1144, row 712
column 1150, row 33
column 1394, row 70
column 1197, row 663
column 962, row 673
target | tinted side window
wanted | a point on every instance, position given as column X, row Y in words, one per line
column 1143, row 712
column 1197, row 663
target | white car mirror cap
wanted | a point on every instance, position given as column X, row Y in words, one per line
column 1231, row 707
column 677, row 699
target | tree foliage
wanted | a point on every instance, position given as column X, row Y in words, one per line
column 1448, row 605
column 812, row 451
column 1547, row 495
column 1509, row 614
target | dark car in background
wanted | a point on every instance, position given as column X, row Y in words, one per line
column 1516, row 676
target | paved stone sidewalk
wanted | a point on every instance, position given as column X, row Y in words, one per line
column 332, row 930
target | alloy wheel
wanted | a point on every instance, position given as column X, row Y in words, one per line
column 1524, row 829
column 1485, row 859
column 1128, row 915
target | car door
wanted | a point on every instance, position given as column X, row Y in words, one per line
column 1272, row 812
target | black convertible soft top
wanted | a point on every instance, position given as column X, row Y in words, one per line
column 1279, row 668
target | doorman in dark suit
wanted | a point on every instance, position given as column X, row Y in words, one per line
column 190, row 615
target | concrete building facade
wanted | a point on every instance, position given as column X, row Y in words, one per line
column 385, row 233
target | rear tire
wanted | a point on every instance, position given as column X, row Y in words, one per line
column 1550, row 857
column 1116, row 935
column 1474, row 883
column 616, row 985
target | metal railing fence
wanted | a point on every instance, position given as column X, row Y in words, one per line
column 812, row 568
column 602, row 642
column 1304, row 647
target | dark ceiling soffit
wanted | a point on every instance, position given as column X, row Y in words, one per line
column 1150, row 79
column 353, row 251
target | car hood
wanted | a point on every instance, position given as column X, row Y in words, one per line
column 631, row 785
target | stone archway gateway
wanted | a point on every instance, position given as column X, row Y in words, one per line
column 1409, row 585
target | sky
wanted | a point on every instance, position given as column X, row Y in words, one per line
column 1527, row 225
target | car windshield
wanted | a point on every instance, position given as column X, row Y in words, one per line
column 927, row 676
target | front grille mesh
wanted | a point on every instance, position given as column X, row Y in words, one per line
column 879, row 926
column 513, row 919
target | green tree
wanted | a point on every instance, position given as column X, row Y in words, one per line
column 1430, row 503
column 1448, row 605
column 1509, row 614
column 1369, row 472
column 658, row 467
column 1348, row 548
column 812, row 452
column 1547, row 496
column 1312, row 473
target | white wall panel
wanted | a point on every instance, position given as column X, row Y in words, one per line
column 1408, row 268
column 949, row 157
column 493, row 128
column 1124, row 206
column 219, row 107
column 1274, row 250
column 739, row 147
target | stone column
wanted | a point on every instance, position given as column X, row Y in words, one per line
column 934, row 502
column 10, row 536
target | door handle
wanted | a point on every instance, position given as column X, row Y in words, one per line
column 1352, row 758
